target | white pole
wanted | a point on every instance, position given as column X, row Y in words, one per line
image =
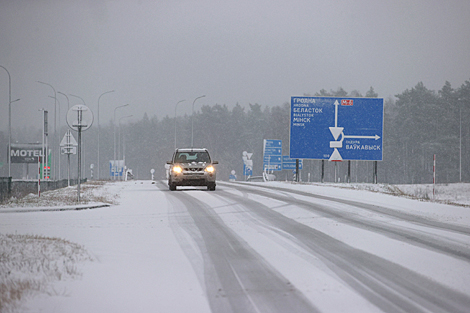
column 460, row 159
column 433, row 176
column 192, row 121
column 9, row 120
column 119, row 149
column 79, row 156
column 39, row 176
column 43, row 150
column 68, row 169
column 99, row 130
column 114, row 145
column 119, row 143
column 54, row 139
column 47, row 160
column 175, row 118
column 68, row 134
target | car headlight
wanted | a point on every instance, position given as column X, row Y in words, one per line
column 177, row 169
column 210, row 169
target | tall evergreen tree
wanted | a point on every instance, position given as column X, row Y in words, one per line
column 371, row 93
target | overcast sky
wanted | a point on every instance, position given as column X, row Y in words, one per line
column 155, row 53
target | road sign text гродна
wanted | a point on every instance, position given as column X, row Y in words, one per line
column 336, row 129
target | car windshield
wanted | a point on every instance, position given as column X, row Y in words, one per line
column 188, row 157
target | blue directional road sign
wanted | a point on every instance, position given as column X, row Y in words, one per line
column 336, row 129
column 116, row 168
column 247, row 170
column 272, row 162
column 272, row 155
column 289, row 164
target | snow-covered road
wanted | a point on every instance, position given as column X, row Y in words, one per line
column 268, row 247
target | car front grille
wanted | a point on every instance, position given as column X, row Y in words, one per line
column 193, row 171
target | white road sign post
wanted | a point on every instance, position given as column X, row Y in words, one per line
column 68, row 146
column 79, row 118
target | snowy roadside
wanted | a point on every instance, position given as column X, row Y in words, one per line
column 94, row 194
column 30, row 264
column 451, row 202
column 453, row 194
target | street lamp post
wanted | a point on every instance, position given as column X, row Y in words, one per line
column 79, row 98
column 98, row 174
column 9, row 138
column 114, row 146
column 68, row 155
column 55, row 122
column 119, row 141
column 175, row 118
column 192, row 121
column 43, row 149
column 9, row 120
column 59, row 131
column 68, row 102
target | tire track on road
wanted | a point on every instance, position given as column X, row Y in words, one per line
column 236, row 278
column 370, row 207
column 389, row 286
column 410, row 236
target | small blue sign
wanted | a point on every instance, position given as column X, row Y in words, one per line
column 117, row 169
column 247, row 170
column 272, row 155
column 272, row 143
column 272, row 159
column 336, row 129
column 272, row 151
column 290, row 164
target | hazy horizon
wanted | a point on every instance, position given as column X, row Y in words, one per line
column 155, row 53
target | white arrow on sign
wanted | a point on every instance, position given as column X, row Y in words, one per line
column 376, row 137
column 335, row 156
column 336, row 131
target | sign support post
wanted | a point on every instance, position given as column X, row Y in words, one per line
column 297, row 170
column 79, row 160
column 68, row 146
column 68, row 170
column 375, row 172
column 434, row 176
column 79, row 118
column 349, row 171
column 39, row 176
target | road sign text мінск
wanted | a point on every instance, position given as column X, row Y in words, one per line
column 336, row 129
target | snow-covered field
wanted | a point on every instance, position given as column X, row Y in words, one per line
column 458, row 193
column 127, row 256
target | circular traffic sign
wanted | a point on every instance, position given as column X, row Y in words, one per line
column 79, row 117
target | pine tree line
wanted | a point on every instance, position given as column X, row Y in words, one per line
column 418, row 124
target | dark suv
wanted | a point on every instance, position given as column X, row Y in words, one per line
column 191, row 167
